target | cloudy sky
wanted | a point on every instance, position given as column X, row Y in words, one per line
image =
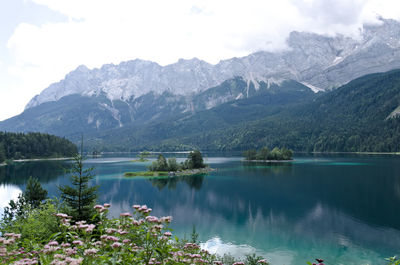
column 42, row 40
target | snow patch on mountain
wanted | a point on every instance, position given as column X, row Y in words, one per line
column 313, row 88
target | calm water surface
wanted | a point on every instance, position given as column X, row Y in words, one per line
column 345, row 209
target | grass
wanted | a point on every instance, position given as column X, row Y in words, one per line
column 146, row 174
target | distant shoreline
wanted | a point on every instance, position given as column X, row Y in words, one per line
column 356, row 153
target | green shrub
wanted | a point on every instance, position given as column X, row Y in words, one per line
column 35, row 224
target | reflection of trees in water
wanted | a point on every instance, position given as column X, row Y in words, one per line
column 45, row 171
column 268, row 167
column 194, row 182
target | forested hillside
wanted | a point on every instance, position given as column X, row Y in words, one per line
column 359, row 116
column 154, row 135
column 34, row 145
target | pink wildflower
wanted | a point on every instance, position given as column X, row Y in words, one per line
column 53, row 243
column 116, row 245
column 70, row 251
column 90, row 251
column 90, row 228
column 83, row 226
column 122, row 232
column 166, row 219
column 152, row 219
column 125, row 214
column 112, row 238
column 142, row 208
column 73, row 261
column 61, row 215
column 77, row 242
column 111, row 230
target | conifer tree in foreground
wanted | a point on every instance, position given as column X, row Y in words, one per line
column 80, row 197
column 34, row 193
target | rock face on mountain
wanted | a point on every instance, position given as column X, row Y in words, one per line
column 141, row 91
column 319, row 62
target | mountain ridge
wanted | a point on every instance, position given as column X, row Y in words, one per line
column 353, row 118
column 315, row 60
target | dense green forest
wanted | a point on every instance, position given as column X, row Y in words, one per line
column 34, row 145
column 357, row 117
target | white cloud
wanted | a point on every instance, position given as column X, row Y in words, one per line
column 103, row 31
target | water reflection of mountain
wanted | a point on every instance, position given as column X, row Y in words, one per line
column 45, row 171
column 194, row 182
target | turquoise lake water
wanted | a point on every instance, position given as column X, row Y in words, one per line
column 344, row 209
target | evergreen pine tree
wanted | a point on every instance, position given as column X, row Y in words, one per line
column 80, row 197
column 34, row 193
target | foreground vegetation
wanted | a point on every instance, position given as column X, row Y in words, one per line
column 34, row 145
column 43, row 235
column 264, row 154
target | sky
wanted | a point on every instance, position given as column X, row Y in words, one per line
column 43, row 40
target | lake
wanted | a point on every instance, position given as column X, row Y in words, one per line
column 341, row 208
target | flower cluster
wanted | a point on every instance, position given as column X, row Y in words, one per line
column 133, row 238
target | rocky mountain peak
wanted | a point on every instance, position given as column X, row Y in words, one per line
column 320, row 62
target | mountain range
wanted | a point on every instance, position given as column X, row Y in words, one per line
column 141, row 104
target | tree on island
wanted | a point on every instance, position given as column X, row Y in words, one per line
column 80, row 198
column 159, row 165
column 194, row 161
column 265, row 154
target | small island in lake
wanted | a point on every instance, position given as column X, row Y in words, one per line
column 265, row 155
column 193, row 165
